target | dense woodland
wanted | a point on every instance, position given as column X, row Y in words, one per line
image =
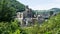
column 9, row 25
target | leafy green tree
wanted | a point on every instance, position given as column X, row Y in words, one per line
column 8, row 9
column 9, row 28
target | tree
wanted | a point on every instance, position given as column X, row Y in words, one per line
column 8, row 9
column 9, row 28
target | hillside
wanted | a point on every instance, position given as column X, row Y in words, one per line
column 8, row 9
column 55, row 10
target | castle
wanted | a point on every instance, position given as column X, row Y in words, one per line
column 27, row 17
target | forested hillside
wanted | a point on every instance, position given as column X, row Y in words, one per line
column 55, row 10
column 8, row 9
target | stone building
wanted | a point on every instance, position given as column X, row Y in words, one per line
column 20, row 17
column 28, row 15
column 25, row 17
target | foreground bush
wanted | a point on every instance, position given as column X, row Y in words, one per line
column 9, row 28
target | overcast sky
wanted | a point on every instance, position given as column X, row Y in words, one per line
column 41, row 4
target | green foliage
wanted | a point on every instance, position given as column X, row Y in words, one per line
column 6, row 13
column 52, row 26
column 8, row 9
column 9, row 28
